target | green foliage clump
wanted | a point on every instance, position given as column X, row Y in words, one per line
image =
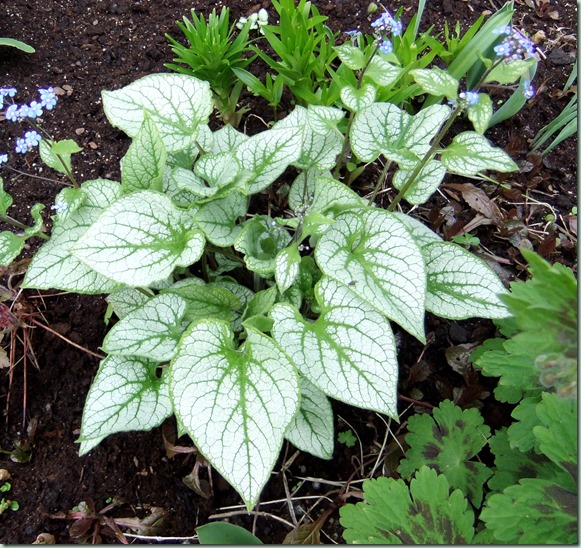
column 529, row 496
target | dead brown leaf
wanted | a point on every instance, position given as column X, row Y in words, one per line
column 477, row 199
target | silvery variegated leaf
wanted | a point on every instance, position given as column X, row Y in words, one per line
column 217, row 219
column 436, row 81
column 206, row 301
column 384, row 128
column 150, row 331
column 140, row 239
column 125, row 300
column 302, row 190
column 244, row 295
column 287, row 265
column 226, row 138
column 419, row 231
column 247, row 397
column 357, row 99
column 322, row 119
column 10, row 247
column 143, row 165
column 480, row 113
column 266, row 155
column 186, row 180
column 177, row 104
column 382, row 72
column 319, row 151
column 460, row 285
column 425, row 184
column 175, row 182
column 351, row 56
column 125, row 395
column 470, row 153
column 507, row 73
column 54, row 266
column 218, row 169
column 348, row 353
column 373, row 252
column 312, row 429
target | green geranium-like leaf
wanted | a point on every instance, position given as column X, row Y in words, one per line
column 351, row 56
column 480, row 113
column 383, row 128
column 151, row 331
column 125, row 395
column 437, row 82
column 460, row 285
column 348, row 352
column 536, row 511
column 374, row 253
column 357, row 99
column 446, row 442
column 176, row 103
column 54, row 266
column 426, row 513
column 470, row 153
column 261, row 240
column 143, row 165
column 557, row 434
column 10, row 247
column 311, row 430
column 140, row 239
column 266, row 155
column 425, row 184
column 287, row 267
column 248, row 396
column 511, row 465
column 217, row 219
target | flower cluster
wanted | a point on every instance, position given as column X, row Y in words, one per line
column 31, row 111
column 471, row 97
column 515, row 45
column 384, row 25
column 257, row 20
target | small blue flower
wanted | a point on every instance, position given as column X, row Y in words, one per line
column 7, row 92
column 506, row 29
column 34, row 110
column 387, row 23
column 32, row 138
column 515, row 46
column 60, row 207
column 386, row 47
column 3, row 158
column 502, row 50
column 23, row 112
column 471, row 97
column 529, row 90
column 21, row 146
column 48, row 98
column 12, row 113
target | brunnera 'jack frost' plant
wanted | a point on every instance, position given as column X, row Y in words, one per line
column 244, row 368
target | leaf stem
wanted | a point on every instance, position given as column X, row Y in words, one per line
column 380, row 182
column 427, row 156
column 10, row 221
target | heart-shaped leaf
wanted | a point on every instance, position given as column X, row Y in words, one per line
column 247, row 397
column 140, row 239
column 348, row 352
column 373, row 252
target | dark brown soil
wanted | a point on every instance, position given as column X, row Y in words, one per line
column 86, row 46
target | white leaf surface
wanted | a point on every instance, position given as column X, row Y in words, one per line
column 54, row 266
column 426, row 183
column 143, row 165
column 383, row 128
column 374, row 253
column 460, row 285
column 125, row 300
column 125, row 395
column 247, row 398
column 140, row 239
column 470, row 153
column 151, row 331
column 312, row 428
column 217, row 219
column 357, row 99
column 382, row 72
column 286, row 270
column 177, row 104
column 348, row 353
